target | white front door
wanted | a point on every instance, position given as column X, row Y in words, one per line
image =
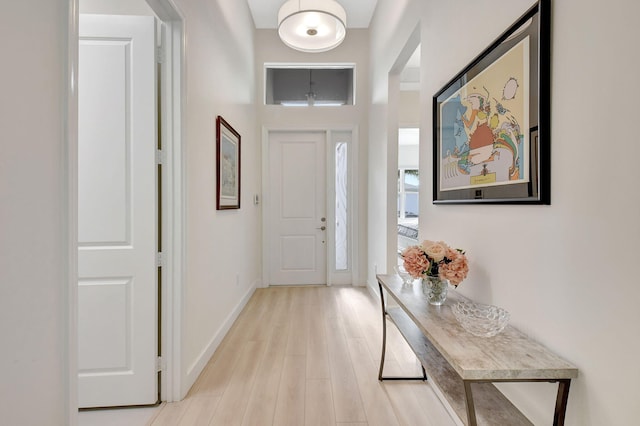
column 297, row 208
column 117, row 212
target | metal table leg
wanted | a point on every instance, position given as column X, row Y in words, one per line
column 384, row 346
column 561, row 402
column 471, row 409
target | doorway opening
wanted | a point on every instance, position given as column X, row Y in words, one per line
column 409, row 153
column 170, row 223
column 403, row 176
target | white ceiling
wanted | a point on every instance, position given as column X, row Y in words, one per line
column 359, row 12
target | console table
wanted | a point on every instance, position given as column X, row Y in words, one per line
column 464, row 367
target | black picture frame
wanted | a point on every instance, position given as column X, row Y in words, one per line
column 506, row 156
column 227, row 166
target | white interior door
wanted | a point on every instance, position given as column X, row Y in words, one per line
column 117, row 212
column 297, row 208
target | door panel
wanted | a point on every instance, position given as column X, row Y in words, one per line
column 105, row 345
column 298, row 208
column 105, row 148
column 117, row 212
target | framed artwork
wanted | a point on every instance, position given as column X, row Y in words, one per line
column 491, row 132
column 227, row 165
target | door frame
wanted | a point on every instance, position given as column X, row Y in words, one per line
column 330, row 193
column 173, row 226
column 172, row 207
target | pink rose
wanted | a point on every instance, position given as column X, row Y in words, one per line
column 453, row 253
column 415, row 262
column 456, row 270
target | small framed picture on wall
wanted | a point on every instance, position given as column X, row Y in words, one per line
column 227, row 166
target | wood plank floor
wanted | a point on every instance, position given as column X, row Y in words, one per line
column 307, row 356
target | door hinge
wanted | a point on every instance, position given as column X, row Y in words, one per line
column 159, row 260
column 160, row 156
column 159, row 55
column 160, row 364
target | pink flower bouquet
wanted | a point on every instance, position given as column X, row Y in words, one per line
column 436, row 259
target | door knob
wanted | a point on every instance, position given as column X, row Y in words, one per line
column 322, row 228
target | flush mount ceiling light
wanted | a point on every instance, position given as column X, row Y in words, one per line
column 312, row 25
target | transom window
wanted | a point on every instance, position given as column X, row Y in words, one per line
column 309, row 85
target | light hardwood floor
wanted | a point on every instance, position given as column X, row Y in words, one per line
column 307, row 356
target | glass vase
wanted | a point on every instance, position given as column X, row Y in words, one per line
column 435, row 289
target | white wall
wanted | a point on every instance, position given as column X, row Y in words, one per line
column 33, row 248
column 409, row 108
column 270, row 49
column 223, row 253
column 569, row 277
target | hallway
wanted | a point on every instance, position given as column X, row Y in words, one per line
column 307, row 356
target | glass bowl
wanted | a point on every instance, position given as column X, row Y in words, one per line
column 481, row 320
column 402, row 273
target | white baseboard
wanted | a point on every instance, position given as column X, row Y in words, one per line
column 373, row 288
column 201, row 361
